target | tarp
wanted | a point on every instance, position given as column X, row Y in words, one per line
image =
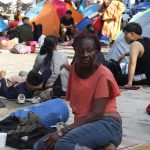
column 3, row 25
column 50, row 112
column 48, row 13
column 120, row 46
column 35, row 11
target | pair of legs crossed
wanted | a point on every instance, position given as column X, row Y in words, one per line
column 93, row 135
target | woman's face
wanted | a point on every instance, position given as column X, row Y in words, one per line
column 86, row 53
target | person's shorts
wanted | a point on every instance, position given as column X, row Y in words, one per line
column 69, row 32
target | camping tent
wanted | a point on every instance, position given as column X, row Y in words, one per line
column 3, row 25
column 120, row 46
column 48, row 13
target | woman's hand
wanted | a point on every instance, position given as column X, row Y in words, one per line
column 62, row 66
column 50, row 140
column 66, row 66
column 129, row 85
column 121, row 58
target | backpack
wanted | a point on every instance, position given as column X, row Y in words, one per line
column 26, row 132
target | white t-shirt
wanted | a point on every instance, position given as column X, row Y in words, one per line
column 58, row 59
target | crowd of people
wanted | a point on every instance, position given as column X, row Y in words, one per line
column 89, row 83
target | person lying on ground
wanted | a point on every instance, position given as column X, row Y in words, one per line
column 34, row 82
column 6, row 44
column 92, row 92
column 139, row 54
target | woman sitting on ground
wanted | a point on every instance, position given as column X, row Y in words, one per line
column 92, row 92
column 49, row 57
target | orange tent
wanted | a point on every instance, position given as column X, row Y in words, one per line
column 50, row 20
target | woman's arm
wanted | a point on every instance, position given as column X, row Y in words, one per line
column 134, row 53
column 66, row 66
column 36, row 66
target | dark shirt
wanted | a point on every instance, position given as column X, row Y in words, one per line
column 13, row 92
column 66, row 22
column 143, row 63
column 25, row 33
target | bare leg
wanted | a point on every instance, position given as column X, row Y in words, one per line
column 64, row 30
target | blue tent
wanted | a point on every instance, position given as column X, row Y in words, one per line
column 83, row 23
column 3, row 25
column 141, row 6
column 35, row 11
column 91, row 9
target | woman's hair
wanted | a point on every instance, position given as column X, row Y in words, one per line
column 49, row 45
column 86, row 35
